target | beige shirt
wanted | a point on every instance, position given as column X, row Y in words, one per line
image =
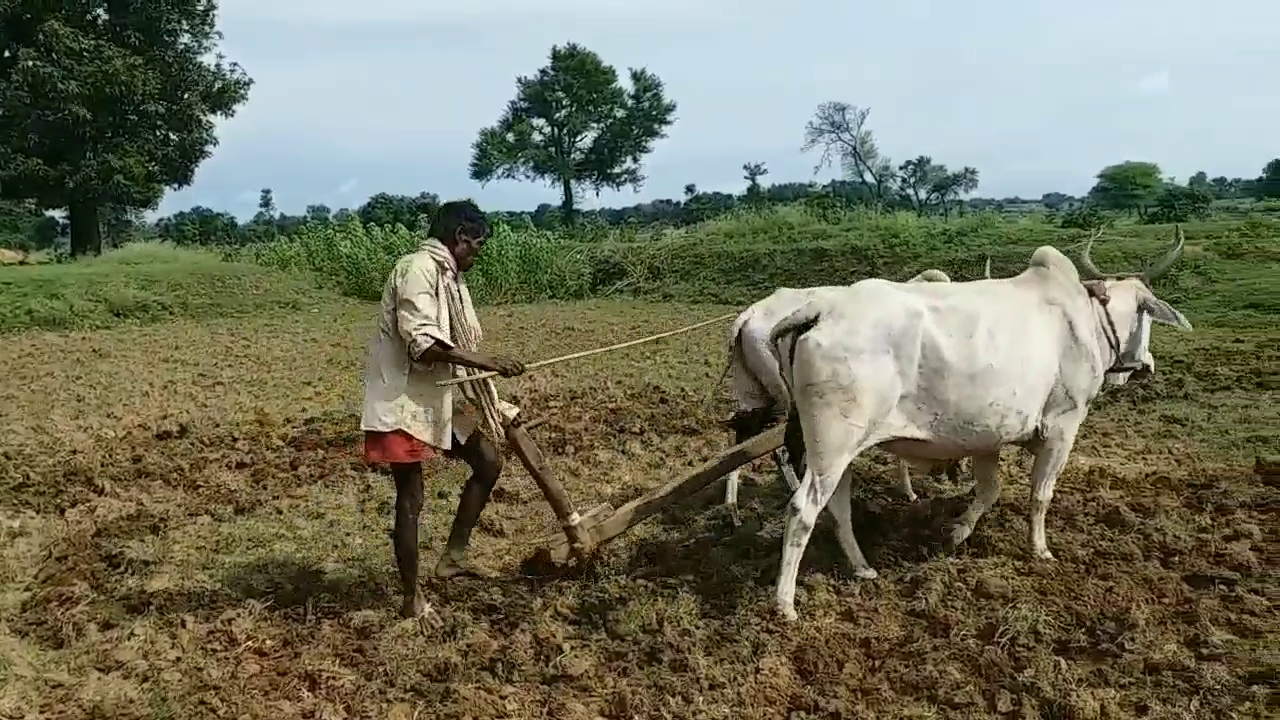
column 400, row 392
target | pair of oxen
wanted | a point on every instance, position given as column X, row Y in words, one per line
column 933, row 371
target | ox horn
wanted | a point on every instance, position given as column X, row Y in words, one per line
column 1174, row 254
column 1087, row 268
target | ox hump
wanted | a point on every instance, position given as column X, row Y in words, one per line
column 1051, row 259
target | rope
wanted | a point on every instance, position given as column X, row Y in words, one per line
column 482, row 393
column 484, row 376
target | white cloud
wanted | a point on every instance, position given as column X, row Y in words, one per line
column 1156, row 83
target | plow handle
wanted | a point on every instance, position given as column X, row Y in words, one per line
column 520, row 442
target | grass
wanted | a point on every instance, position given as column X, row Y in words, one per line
column 188, row 532
column 147, row 283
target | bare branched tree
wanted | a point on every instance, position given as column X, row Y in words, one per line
column 839, row 130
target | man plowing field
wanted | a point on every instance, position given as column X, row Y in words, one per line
column 427, row 332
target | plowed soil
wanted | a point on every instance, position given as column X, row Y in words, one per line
column 188, row 531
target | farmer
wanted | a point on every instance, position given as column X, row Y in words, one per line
column 426, row 329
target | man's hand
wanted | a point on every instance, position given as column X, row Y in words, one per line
column 506, row 367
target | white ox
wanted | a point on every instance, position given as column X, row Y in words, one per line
column 947, row 370
column 760, row 394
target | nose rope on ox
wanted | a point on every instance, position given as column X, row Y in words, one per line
column 1095, row 282
column 1098, row 291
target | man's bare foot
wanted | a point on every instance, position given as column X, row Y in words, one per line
column 449, row 567
column 414, row 606
column 417, row 608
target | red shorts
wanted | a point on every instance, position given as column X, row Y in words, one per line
column 397, row 447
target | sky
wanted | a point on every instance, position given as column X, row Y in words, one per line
column 354, row 98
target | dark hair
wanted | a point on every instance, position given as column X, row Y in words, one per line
column 458, row 215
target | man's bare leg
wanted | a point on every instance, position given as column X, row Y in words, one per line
column 485, row 460
column 408, row 478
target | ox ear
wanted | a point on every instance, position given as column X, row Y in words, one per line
column 1163, row 312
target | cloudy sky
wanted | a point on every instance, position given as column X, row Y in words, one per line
column 353, row 98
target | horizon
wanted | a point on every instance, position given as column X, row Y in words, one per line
column 344, row 104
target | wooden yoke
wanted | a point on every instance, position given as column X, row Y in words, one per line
column 520, row 442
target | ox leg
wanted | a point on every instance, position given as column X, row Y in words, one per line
column 744, row 428
column 731, row 497
column 841, row 507
column 783, row 458
column 953, row 471
column 815, row 492
column 904, row 480
column 1050, row 460
column 986, row 471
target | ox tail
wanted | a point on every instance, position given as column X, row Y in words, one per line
column 733, row 358
column 787, row 333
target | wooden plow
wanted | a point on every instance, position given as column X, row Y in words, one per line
column 602, row 523
column 584, row 533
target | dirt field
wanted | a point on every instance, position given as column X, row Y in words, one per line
column 188, row 532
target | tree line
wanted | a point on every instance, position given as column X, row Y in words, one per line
column 105, row 106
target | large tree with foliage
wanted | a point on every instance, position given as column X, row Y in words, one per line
column 107, row 103
column 1128, row 186
column 574, row 126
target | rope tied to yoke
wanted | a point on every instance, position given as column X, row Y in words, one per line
column 465, row 333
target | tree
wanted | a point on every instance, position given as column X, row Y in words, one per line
column 262, row 228
column 319, row 214
column 924, row 184
column 201, row 226
column 1179, row 204
column 839, row 130
column 954, row 185
column 917, row 178
column 752, row 172
column 1268, row 186
column 573, row 125
column 107, row 103
column 1128, row 186
column 120, row 224
column 387, row 210
column 1199, row 181
column 24, row 227
column 1054, row 200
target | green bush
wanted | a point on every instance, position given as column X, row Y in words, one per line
column 355, row 259
column 745, row 255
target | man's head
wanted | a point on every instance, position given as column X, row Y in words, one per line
column 462, row 228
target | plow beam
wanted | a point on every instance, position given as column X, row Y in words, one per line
column 603, row 523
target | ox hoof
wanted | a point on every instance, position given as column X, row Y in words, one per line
column 788, row 613
column 1043, row 554
column 959, row 533
column 911, row 496
column 866, row 573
